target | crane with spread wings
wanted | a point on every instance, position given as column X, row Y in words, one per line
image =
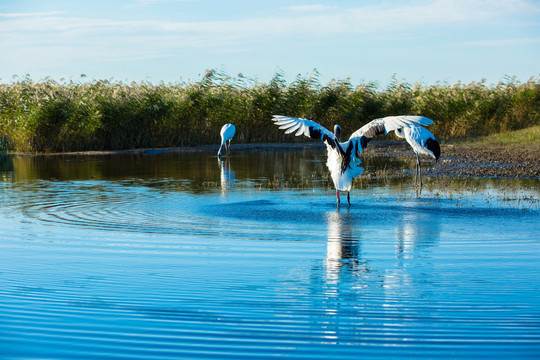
column 343, row 157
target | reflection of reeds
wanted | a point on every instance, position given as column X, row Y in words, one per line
column 70, row 116
column 460, row 192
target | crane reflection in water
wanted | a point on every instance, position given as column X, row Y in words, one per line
column 227, row 175
column 417, row 231
column 343, row 248
column 349, row 276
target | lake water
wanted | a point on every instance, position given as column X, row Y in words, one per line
column 162, row 256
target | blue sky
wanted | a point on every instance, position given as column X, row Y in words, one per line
column 177, row 40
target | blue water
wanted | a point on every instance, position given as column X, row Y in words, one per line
column 180, row 256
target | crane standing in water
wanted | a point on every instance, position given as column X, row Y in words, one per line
column 227, row 133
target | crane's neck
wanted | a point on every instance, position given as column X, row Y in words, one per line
column 337, row 131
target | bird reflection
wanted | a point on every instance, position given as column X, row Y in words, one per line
column 343, row 268
column 342, row 249
column 416, row 233
column 227, row 175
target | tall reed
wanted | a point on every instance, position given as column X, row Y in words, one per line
column 47, row 116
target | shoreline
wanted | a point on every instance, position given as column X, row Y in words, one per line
column 185, row 149
column 457, row 159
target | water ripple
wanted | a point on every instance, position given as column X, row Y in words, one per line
column 123, row 270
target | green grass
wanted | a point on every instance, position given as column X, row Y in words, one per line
column 522, row 137
column 524, row 142
column 47, row 116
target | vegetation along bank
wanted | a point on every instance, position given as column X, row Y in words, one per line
column 48, row 116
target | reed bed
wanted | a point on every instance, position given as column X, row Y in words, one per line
column 50, row 116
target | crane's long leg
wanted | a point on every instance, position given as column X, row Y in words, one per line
column 349, row 197
column 419, row 170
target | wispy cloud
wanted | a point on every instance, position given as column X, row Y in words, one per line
column 142, row 38
column 310, row 8
column 137, row 3
column 28, row 15
column 501, row 42
column 379, row 18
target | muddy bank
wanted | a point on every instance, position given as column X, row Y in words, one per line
column 469, row 160
column 456, row 159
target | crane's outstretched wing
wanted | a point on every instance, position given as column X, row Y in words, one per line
column 308, row 128
column 387, row 124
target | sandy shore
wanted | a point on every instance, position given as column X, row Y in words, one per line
column 456, row 160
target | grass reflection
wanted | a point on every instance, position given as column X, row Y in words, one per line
column 202, row 172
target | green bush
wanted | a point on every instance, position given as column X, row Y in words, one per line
column 48, row 116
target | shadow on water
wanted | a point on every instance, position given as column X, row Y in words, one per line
column 6, row 163
column 6, row 167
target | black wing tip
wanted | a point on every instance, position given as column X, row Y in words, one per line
column 433, row 146
column 315, row 133
column 364, row 141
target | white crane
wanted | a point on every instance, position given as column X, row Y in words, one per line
column 227, row 133
column 409, row 128
column 343, row 161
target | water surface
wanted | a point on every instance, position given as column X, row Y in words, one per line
column 183, row 256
